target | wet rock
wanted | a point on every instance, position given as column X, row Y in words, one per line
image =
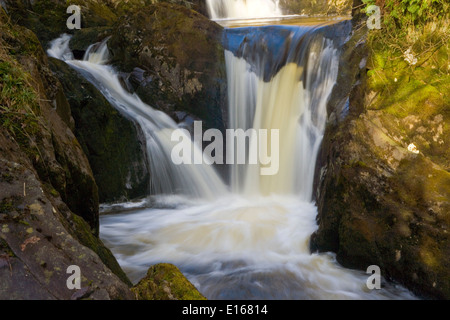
column 38, row 242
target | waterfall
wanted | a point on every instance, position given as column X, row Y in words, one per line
column 290, row 98
column 252, row 243
column 200, row 181
column 243, row 9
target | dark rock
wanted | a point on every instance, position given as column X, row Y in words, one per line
column 47, row 18
column 180, row 52
column 37, row 243
column 85, row 37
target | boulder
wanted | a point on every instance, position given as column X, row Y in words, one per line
column 165, row 282
column 46, row 135
column 40, row 238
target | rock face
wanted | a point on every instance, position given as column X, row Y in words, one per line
column 48, row 196
column 175, row 58
column 40, row 238
column 110, row 141
column 383, row 181
column 46, row 136
column 165, row 282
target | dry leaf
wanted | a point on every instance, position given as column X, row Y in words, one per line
column 31, row 240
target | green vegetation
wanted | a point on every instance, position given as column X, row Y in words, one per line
column 409, row 71
column 19, row 101
column 18, row 105
column 398, row 13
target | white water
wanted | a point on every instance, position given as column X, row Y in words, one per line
column 285, row 103
column 251, row 244
column 243, row 9
column 200, row 181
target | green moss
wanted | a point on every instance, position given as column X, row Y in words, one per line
column 166, row 282
column 18, row 101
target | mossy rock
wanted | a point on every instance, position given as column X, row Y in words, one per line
column 166, row 282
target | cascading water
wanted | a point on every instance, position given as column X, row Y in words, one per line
column 287, row 92
column 200, row 181
column 252, row 243
column 243, row 9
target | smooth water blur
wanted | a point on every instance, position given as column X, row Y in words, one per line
column 285, row 89
column 237, row 248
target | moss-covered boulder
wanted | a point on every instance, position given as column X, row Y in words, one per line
column 383, row 181
column 110, row 141
column 180, row 58
column 165, row 282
